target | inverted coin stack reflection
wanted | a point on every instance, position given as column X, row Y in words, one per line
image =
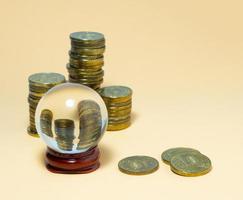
column 118, row 100
column 86, row 59
column 39, row 84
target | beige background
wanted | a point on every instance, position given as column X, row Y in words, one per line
column 183, row 60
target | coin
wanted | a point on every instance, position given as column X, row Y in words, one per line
column 126, row 112
column 191, row 164
column 118, row 108
column 119, row 119
column 170, row 153
column 93, row 76
column 89, row 51
column 116, row 93
column 87, row 36
column 84, row 62
column 118, row 127
column 78, row 56
column 87, row 82
column 138, row 165
column 49, row 79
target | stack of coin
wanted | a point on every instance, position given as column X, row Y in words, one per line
column 186, row 161
column 39, row 84
column 90, row 123
column 46, row 122
column 86, row 59
column 64, row 129
column 118, row 100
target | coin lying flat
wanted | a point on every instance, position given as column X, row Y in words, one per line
column 190, row 164
column 170, row 153
column 138, row 165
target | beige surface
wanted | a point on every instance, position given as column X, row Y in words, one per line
column 183, row 60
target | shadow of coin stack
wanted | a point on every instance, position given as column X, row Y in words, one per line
column 90, row 123
column 118, row 100
column 64, row 129
column 86, row 59
column 39, row 84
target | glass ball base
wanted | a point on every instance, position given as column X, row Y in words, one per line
column 79, row 163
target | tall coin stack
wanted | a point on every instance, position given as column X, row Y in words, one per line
column 39, row 84
column 118, row 100
column 90, row 123
column 86, row 59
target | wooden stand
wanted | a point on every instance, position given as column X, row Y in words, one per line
column 80, row 163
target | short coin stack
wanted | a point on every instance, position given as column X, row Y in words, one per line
column 118, row 100
column 187, row 161
column 39, row 84
column 86, row 59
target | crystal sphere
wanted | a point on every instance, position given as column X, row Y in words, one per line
column 71, row 118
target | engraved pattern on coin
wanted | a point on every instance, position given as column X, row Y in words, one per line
column 115, row 92
column 169, row 153
column 138, row 165
column 47, row 78
column 87, row 36
column 190, row 164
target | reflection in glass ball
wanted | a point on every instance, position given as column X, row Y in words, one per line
column 71, row 118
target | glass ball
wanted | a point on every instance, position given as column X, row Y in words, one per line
column 71, row 118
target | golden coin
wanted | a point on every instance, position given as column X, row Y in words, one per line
column 116, row 93
column 170, row 153
column 119, row 113
column 120, row 108
column 190, row 164
column 138, row 165
column 46, row 79
column 118, row 127
column 88, row 51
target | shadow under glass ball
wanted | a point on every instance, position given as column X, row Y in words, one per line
column 71, row 118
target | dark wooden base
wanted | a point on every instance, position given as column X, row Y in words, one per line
column 80, row 163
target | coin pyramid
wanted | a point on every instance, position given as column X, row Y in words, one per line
column 39, row 84
column 86, row 59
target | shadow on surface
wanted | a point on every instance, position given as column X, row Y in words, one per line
column 41, row 157
column 134, row 117
column 106, row 155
